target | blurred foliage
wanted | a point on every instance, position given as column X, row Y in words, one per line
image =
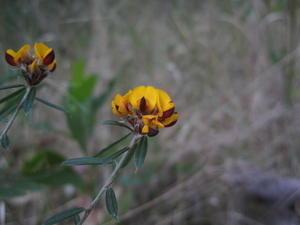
column 82, row 104
column 14, row 185
column 45, row 168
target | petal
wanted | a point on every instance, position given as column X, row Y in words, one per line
column 49, row 58
column 170, row 121
column 33, row 66
column 119, row 106
column 44, row 53
column 157, row 124
column 143, row 106
column 148, row 93
column 10, row 56
column 148, row 118
column 135, row 96
column 115, row 109
column 23, row 53
column 152, row 132
column 168, row 113
column 145, row 129
column 165, row 102
column 52, row 66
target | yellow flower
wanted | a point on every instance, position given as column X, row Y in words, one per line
column 17, row 58
column 146, row 109
column 35, row 67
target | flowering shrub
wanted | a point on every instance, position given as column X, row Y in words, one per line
column 143, row 111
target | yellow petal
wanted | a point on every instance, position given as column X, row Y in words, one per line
column 170, row 121
column 164, row 103
column 119, row 106
column 145, row 129
column 23, row 52
column 157, row 123
column 33, row 66
column 41, row 51
column 150, row 95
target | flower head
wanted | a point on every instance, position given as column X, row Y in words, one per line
column 35, row 67
column 146, row 108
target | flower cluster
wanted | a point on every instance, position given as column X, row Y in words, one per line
column 146, row 108
column 35, row 67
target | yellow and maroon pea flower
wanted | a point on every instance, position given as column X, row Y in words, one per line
column 35, row 67
column 147, row 109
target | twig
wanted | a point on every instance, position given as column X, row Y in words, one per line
column 108, row 182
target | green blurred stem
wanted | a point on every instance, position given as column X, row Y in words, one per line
column 292, row 6
column 109, row 180
column 14, row 116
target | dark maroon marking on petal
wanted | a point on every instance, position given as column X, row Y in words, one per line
column 49, row 58
column 10, row 60
column 117, row 107
column 54, row 67
column 168, row 113
column 143, row 105
column 152, row 132
column 171, row 124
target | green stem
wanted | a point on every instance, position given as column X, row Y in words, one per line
column 108, row 182
column 14, row 116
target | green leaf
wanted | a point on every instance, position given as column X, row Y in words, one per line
column 116, row 123
column 87, row 161
column 29, row 100
column 16, row 93
column 129, row 156
column 77, row 72
column 5, row 143
column 52, row 105
column 118, row 153
column 63, row 215
column 76, row 219
column 111, row 203
column 141, row 152
column 8, row 109
column 10, row 106
column 113, row 146
column 11, row 86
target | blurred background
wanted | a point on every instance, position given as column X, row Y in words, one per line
column 231, row 67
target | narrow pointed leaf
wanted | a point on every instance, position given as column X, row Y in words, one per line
column 111, row 203
column 16, row 93
column 29, row 100
column 112, row 146
column 141, row 152
column 129, row 156
column 5, row 143
column 117, row 154
column 63, row 215
column 11, row 86
column 116, row 123
column 8, row 109
column 52, row 105
column 76, row 219
column 87, row 161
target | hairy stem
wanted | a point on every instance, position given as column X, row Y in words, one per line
column 14, row 116
column 108, row 182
